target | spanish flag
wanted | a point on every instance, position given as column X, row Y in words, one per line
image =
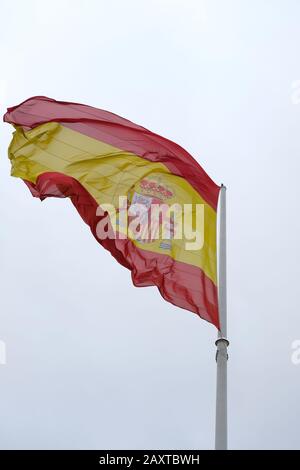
column 94, row 157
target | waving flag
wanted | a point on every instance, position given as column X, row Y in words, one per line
column 94, row 157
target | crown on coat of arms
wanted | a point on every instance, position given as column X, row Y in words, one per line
column 156, row 189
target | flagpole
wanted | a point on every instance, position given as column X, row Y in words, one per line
column 222, row 343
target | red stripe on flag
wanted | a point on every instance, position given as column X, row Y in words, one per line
column 118, row 132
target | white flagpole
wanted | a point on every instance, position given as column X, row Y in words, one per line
column 222, row 342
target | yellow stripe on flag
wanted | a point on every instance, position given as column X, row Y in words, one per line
column 107, row 172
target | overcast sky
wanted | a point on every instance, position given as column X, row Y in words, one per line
column 92, row 361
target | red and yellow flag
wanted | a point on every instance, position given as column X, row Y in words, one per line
column 94, row 157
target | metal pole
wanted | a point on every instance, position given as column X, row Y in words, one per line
column 222, row 343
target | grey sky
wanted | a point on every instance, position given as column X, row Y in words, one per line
column 93, row 362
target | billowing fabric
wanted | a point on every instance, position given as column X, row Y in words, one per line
column 62, row 149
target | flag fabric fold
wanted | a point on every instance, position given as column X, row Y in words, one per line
column 93, row 157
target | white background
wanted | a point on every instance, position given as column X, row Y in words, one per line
column 93, row 362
